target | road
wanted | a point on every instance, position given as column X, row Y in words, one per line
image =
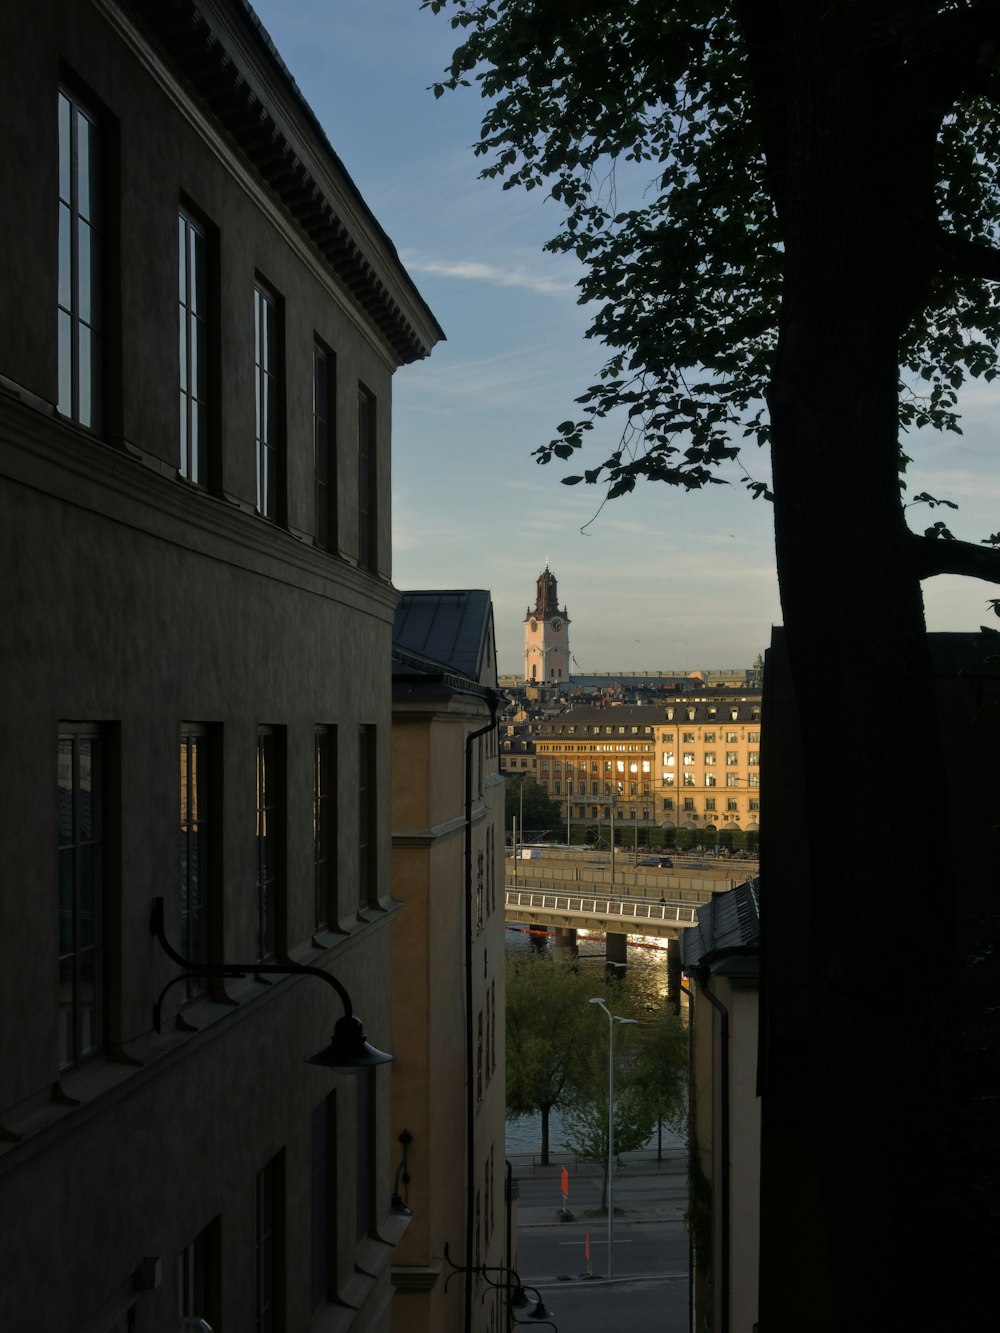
column 649, row 1290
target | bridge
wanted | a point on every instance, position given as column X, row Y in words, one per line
column 562, row 894
column 578, row 911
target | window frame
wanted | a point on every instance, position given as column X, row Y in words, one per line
column 71, row 300
column 75, row 734
column 197, row 945
column 324, row 423
column 195, row 371
column 367, row 479
column 269, row 401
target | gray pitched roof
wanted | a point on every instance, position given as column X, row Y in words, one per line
column 449, row 628
column 727, row 935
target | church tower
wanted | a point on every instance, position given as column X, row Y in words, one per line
column 546, row 635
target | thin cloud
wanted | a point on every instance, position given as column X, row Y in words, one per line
column 473, row 271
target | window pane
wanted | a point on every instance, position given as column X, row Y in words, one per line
column 65, row 148
column 65, row 258
column 87, row 166
column 65, row 403
column 86, row 408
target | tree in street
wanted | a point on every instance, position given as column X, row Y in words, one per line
column 812, row 268
column 533, row 804
column 547, row 1026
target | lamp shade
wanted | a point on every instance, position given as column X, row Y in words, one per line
column 350, row 1050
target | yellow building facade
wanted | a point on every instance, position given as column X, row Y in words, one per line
column 691, row 763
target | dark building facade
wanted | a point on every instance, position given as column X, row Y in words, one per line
column 203, row 321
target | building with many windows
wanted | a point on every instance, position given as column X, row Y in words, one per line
column 691, row 763
column 194, row 508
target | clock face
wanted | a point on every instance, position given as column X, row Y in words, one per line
column 533, row 626
column 557, row 624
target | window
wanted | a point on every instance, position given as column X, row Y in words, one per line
column 198, row 1277
column 688, row 802
column 325, row 827
column 81, row 848
column 753, row 780
column 493, row 1023
column 367, row 866
column 195, row 831
column 732, row 803
column 753, row 757
column 709, row 737
column 269, row 838
column 687, row 737
column 367, row 478
column 192, row 266
column 732, row 780
column 269, row 1247
column 709, row 802
column 668, row 779
column 668, row 758
column 324, row 451
column 267, row 384
column 754, row 803
column 709, row 756
column 324, row 1217
column 688, row 756
column 688, row 779
column 479, row 1058
column 80, row 324
column 668, row 802
column 364, row 1141
column 732, row 758
column 710, row 779
column 753, row 737
column 732, row 737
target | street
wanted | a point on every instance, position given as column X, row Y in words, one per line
column 649, row 1290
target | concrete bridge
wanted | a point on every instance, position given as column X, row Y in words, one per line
column 564, row 895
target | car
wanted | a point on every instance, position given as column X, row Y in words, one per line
column 658, row 862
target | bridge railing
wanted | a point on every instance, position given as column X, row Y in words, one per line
column 632, row 909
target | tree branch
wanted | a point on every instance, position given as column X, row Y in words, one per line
column 974, row 259
column 936, row 555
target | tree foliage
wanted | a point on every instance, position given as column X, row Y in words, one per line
column 660, row 131
column 527, row 800
column 548, row 1021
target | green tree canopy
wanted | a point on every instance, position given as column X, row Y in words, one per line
column 548, row 1022
column 526, row 799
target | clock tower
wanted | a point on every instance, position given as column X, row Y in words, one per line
column 546, row 636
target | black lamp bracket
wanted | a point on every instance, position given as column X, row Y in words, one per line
column 512, row 1281
column 233, row 970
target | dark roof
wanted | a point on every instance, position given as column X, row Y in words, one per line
column 449, row 629
column 745, row 703
column 726, row 938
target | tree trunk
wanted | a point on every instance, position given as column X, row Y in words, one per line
column 545, row 1134
column 878, row 1080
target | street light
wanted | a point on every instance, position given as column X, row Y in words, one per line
column 612, row 1020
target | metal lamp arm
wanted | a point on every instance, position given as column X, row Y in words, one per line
column 236, row 969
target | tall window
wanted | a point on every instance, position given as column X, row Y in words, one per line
column 367, row 476
column 81, row 846
column 198, row 1276
column 325, row 825
column 192, row 269
column 195, row 865
column 269, row 1223
column 80, row 249
column 324, row 449
column 267, row 384
column 269, row 838
column 367, row 868
column 324, row 1217
column 363, row 1151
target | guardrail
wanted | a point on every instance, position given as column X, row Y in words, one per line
column 625, row 909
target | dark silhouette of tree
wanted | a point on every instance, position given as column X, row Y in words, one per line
column 812, row 268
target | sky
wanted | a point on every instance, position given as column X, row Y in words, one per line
column 654, row 581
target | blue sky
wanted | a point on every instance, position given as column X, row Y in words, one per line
column 657, row 580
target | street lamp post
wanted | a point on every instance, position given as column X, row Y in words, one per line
column 612, row 1020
